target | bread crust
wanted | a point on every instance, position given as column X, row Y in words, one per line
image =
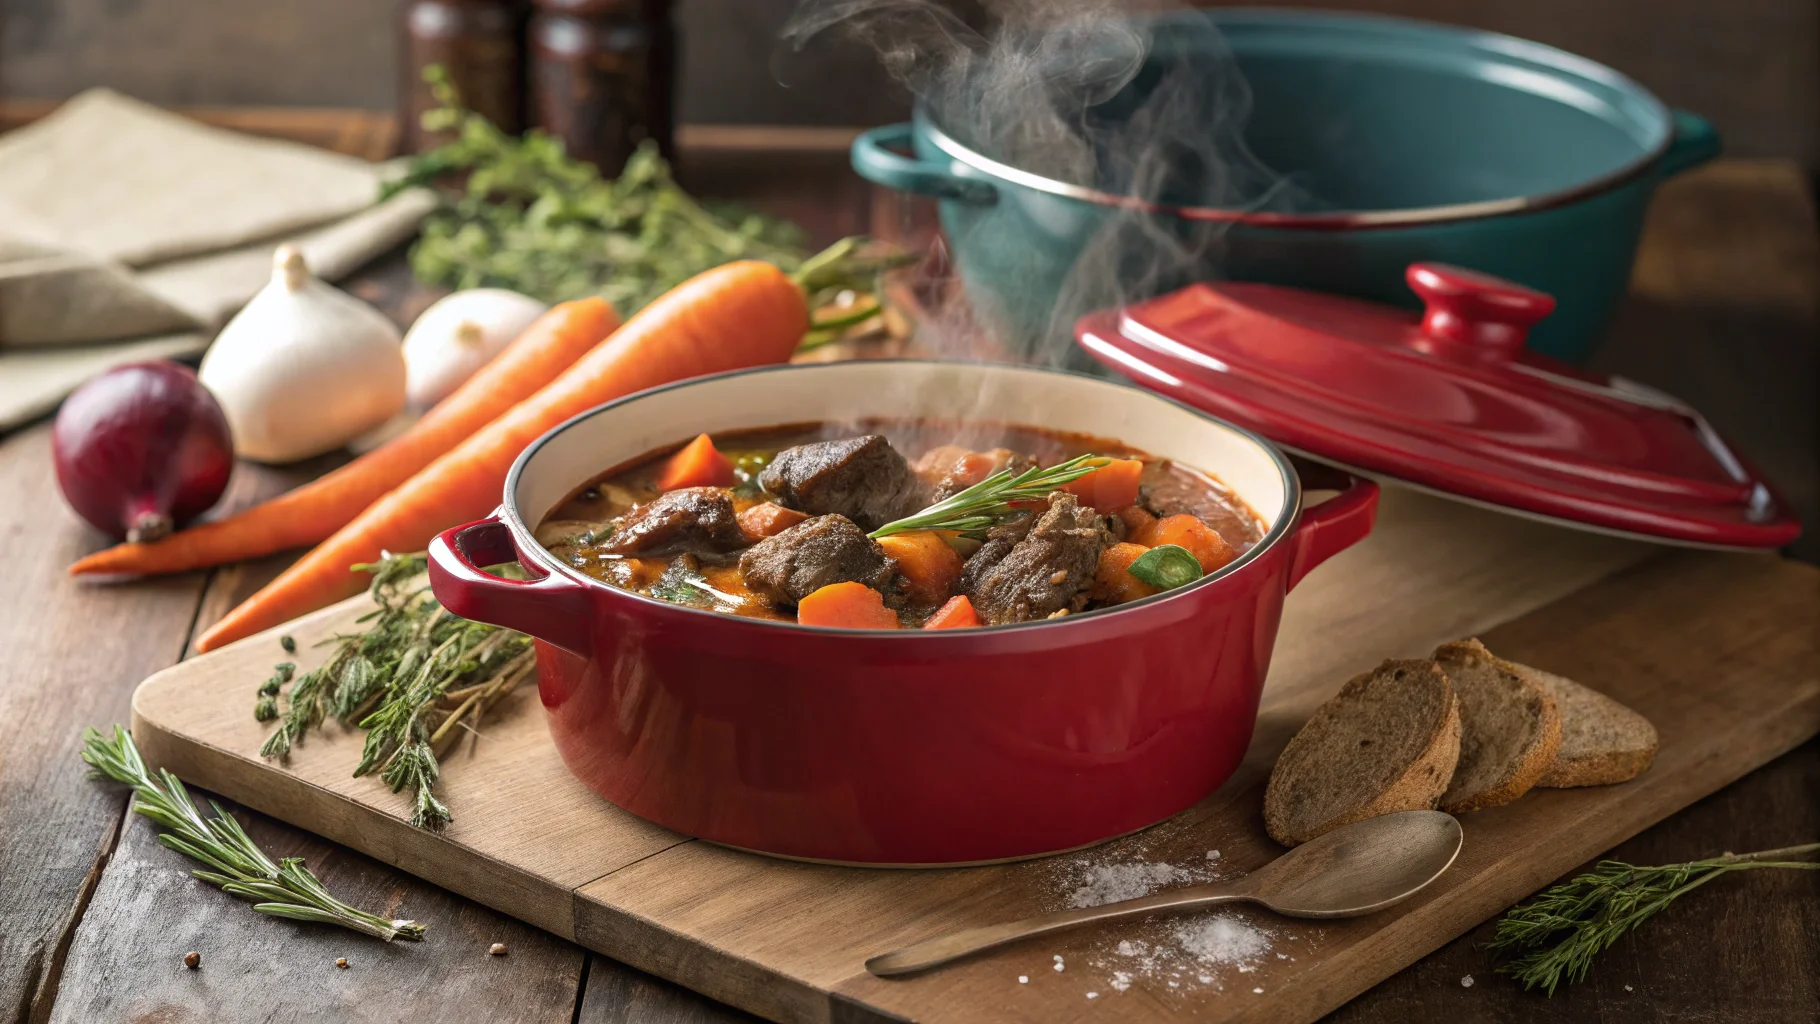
column 1418, row 787
column 1606, row 769
column 1536, row 758
column 1603, row 767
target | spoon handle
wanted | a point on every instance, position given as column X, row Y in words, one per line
column 937, row 951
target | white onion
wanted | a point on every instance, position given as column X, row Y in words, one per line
column 457, row 335
column 304, row 368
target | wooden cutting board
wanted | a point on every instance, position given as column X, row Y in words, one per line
column 1719, row 650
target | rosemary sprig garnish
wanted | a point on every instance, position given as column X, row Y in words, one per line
column 413, row 677
column 1560, row 932
column 979, row 508
column 230, row 857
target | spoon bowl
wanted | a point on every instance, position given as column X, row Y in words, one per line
column 1361, row 868
column 1351, row 871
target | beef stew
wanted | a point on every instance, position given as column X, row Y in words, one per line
column 900, row 524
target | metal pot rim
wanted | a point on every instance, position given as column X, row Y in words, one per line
column 1355, row 219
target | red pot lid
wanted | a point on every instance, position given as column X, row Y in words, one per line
column 1450, row 401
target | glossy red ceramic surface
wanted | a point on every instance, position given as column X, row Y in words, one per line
column 1450, row 400
column 900, row 747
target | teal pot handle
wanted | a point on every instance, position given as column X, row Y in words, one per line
column 1696, row 141
column 877, row 158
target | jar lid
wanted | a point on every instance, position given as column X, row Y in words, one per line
column 1449, row 400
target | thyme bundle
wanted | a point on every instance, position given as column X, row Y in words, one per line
column 230, row 857
column 1556, row 936
column 413, row 677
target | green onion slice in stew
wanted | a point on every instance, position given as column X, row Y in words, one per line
column 1167, row 567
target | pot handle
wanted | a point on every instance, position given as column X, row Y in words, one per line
column 875, row 155
column 1335, row 524
column 1695, row 142
column 550, row 608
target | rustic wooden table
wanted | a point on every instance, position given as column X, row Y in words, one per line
column 1723, row 313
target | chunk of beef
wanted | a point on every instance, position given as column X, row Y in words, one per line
column 694, row 519
column 791, row 565
column 1167, row 490
column 861, row 478
column 999, row 542
column 1050, row 570
column 951, row 469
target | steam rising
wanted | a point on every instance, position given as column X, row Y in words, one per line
column 1086, row 92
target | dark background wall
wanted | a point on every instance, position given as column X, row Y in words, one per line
column 1753, row 66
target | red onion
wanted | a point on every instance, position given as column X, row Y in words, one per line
column 141, row 449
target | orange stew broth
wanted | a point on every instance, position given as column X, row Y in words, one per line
column 1167, row 487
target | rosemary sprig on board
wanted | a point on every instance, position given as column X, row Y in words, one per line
column 412, row 678
column 1557, row 935
column 230, row 857
column 979, row 508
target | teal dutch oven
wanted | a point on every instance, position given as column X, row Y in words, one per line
column 1407, row 141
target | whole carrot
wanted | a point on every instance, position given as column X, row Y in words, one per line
column 316, row 510
column 734, row 316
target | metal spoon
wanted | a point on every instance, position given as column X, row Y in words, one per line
column 1354, row 870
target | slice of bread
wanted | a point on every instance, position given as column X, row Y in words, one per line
column 1602, row 741
column 1510, row 728
column 1387, row 742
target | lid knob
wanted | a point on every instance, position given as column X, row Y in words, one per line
column 1464, row 307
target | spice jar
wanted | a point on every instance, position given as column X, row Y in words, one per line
column 603, row 76
column 479, row 44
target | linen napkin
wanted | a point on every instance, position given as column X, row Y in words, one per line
column 128, row 233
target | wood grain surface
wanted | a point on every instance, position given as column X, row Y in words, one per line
column 1722, row 313
column 288, row 972
column 1712, row 647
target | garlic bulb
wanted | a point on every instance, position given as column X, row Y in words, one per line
column 458, row 335
column 304, row 368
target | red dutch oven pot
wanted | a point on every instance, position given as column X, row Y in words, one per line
column 898, row 747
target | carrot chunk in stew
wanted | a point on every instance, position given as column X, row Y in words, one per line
column 768, row 520
column 1111, row 487
column 847, row 606
column 698, row 464
column 1113, row 582
column 958, row 613
column 1205, row 543
column 929, row 565
column 1136, row 518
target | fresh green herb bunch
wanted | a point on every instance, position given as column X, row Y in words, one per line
column 1557, row 935
column 413, row 677
column 230, row 857
column 531, row 219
